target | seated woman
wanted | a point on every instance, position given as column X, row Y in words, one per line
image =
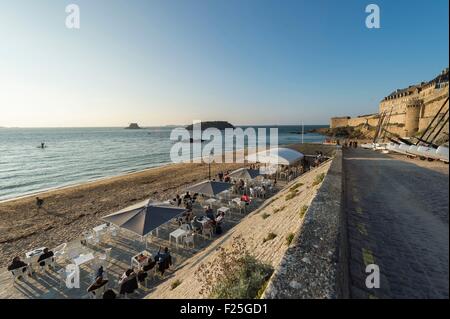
column 129, row 284
column 98, row 283
column 99, row 272
column 220, row 216
column 127, row 274
column 245, row 198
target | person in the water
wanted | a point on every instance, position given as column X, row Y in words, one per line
column 42, row 145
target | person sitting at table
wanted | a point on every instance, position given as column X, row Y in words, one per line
column 129, row 284
column 16, row 263
column 210, row 213
column 100, row 271
column 219, row 218
column 196, row 225
column 194, row 197
column 188, row 205
column 47, row 254
column 149, row 265
column 176, row 201
column 98, row 283
column 141, row 275
column 220, row 175
column 187, row 196
column 227, row 178
column 188, row 216
column 245, row 198
column 127, row 274
column 218, row 223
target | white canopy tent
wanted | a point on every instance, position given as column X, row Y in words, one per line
column 276, row 156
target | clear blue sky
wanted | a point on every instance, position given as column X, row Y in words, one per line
column 246, row 61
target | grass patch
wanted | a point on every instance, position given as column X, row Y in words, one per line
column 175, row 284
column 279, row 209
column 318, row 179
column 295, row 187
column 234, row 274
column 291, row 195
column 303, row 210
column 289, row 238
column 270, row 236
column 265, row 215
column 262, row 289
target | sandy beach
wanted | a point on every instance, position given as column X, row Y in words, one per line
column 70, row 211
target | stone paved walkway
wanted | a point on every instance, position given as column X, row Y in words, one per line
column 397, row 214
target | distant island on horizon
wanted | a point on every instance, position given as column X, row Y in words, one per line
column 221, row 125
column 133, row 126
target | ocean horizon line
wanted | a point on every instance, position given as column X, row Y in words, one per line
column 155, row 126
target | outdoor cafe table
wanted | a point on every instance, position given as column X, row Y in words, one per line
column 237, row 200
column 33, row 256
column 204, row 221
column 100, row 228
column 83, row 258
column 223, row 210
column 179, row 233
column 211, row 201
column 140, row 262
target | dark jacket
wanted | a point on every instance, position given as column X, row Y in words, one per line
column 45, row 256
column 16, row 265
column 129, row 285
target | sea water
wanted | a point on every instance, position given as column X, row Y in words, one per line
column 77, row 155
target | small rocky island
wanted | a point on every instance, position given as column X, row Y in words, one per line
column 221, row 125
column 133, row 126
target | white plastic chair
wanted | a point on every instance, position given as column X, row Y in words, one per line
column 186, row 227
column 50, row 262
column 59, row 250
column 242, row 207
column 64, row 275
column 207, row 230
column 151, row 273
column 72, row 253
column 189, row 239
column 104, row 258
column 23, row 272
